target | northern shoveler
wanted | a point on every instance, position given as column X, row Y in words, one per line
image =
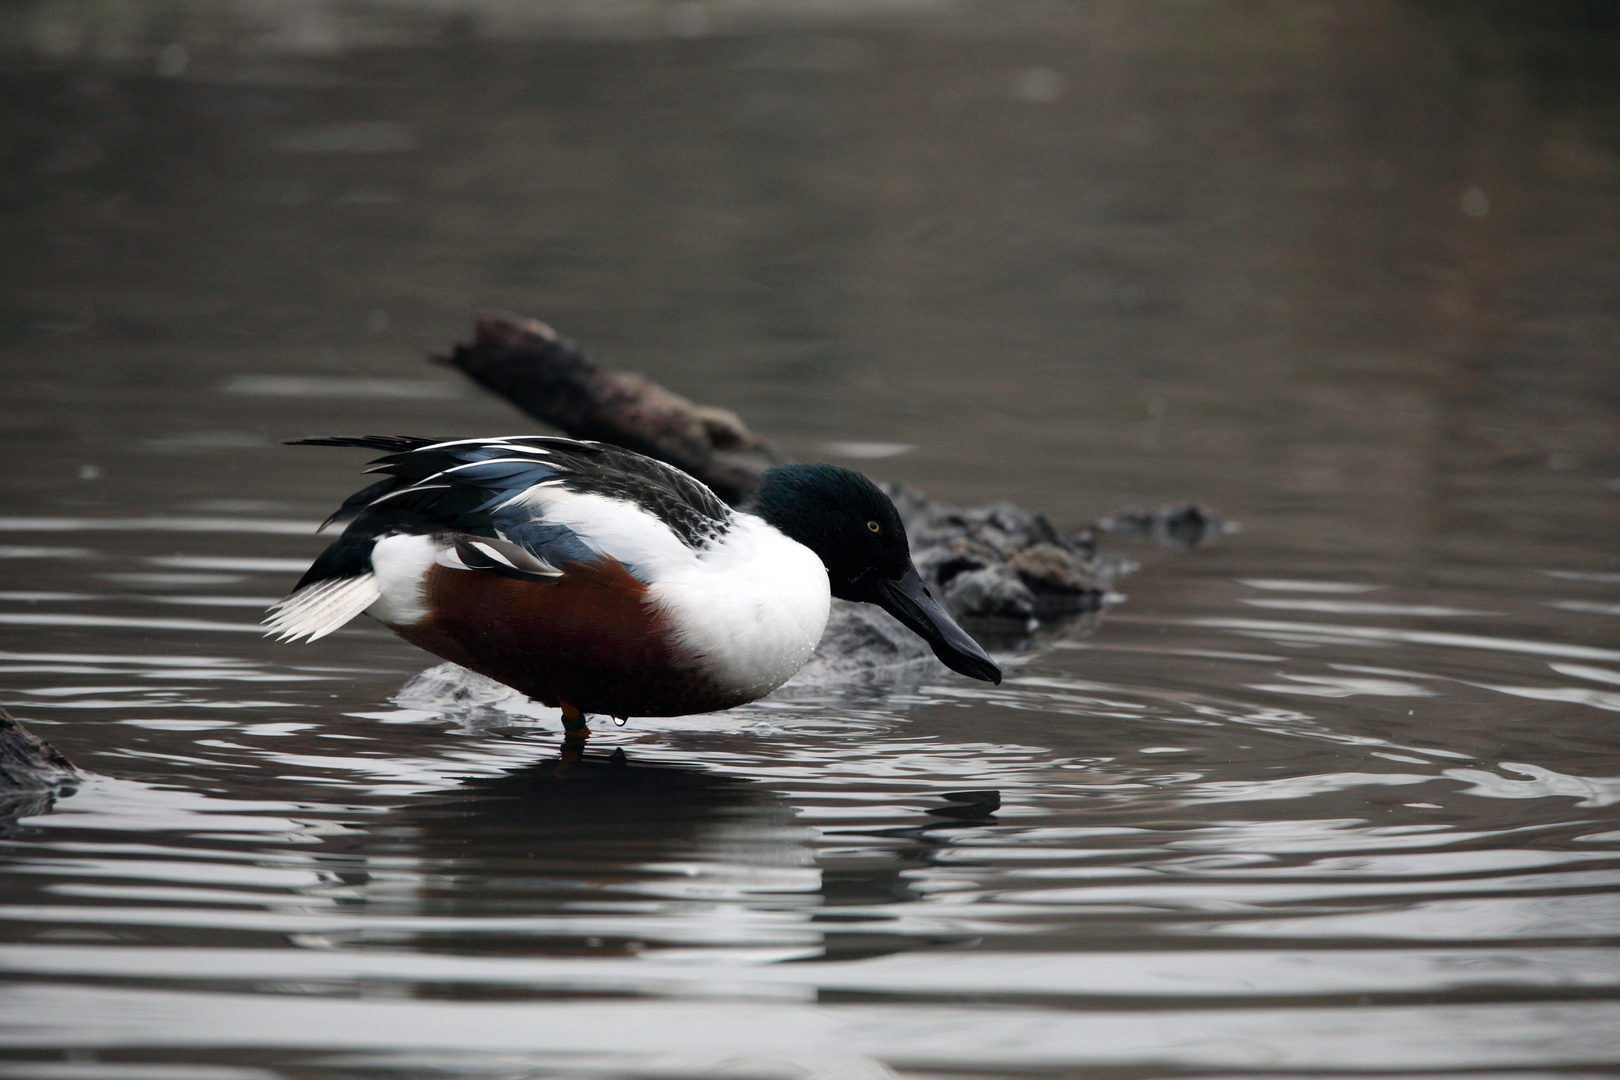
column 603, row 582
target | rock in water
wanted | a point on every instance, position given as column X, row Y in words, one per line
column 1057, row 577
column 32, row 772
column 1182, row 525
column 1000, row 561
column 28, row 762
column 992, row 593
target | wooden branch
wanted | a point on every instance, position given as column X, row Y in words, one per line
column 544, row 374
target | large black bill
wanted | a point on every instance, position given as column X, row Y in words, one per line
column 908, row 601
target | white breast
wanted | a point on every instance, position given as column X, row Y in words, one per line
column 750, row 609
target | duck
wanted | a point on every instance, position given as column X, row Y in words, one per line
column 602, row 582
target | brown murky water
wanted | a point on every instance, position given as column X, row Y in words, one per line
column 1334, row 796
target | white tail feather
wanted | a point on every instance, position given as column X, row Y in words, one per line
column 316, row 610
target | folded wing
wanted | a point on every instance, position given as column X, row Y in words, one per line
column 494, row 506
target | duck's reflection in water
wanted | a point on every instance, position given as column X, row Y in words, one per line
column 598, row 806
column 594, row 854
column 861, row 896
column 600, row 856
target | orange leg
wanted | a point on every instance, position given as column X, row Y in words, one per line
column 574, row 735
column 574, row 723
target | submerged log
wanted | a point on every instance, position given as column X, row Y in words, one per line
column 996, row 562
column 547, row 376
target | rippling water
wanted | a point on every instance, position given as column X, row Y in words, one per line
column 1336, row 795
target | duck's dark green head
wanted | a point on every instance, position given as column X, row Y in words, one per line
column 843, row 517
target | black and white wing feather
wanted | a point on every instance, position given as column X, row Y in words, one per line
column 445, row 481
column 478, row 495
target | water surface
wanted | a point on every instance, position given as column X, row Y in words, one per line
column 1334, row 795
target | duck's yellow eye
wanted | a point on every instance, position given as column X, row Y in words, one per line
column 874, row 526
